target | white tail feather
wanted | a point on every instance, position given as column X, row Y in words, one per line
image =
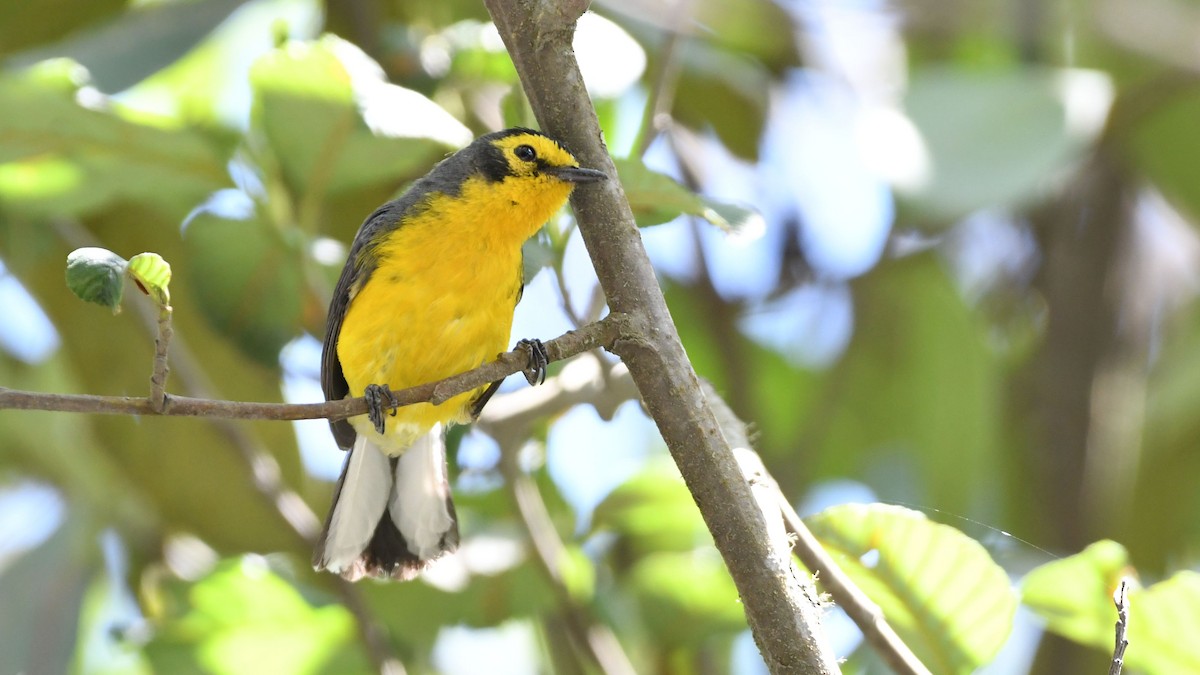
column 363, row 496
column 409, row 493
column 419, row 502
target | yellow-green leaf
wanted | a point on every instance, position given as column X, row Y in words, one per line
column 1074, row 594
column 153, row 276
column 1075, row 597
column 937, row 587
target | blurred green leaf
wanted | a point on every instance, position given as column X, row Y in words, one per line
column 937, row 587
column 335, row 125
column 1165, row 492
column 1164, row 147
column 578, row 574
column 72, row 160
column 1075, row 597
column 725, row 92
column 914, row 404
column 483, row 601
column 657, row 198
column 992, row 138
column 27, row 24
column 1166, row 626
column 761, row 28
column 247, row 281
column 687, row 598
column 651, row 512
column 97, row 275
column 138, row 42
column 243, row 618
column 42, row 592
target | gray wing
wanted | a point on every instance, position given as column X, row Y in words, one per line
column 359, row 264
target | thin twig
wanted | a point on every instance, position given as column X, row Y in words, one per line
column 509, row 420
column 594, row 638
column 593, row 336
column 370, row 631
column 862, row 611
column 563, row 292
column 666, row 81
column 1120, row 599
column 158, row 378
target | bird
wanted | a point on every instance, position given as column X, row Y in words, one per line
column 428, row 290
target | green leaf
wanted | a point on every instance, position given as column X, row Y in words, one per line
column 140, row 41
column 97, row 275
column 651, row 512
column 78, row 160
column 937, row 587
column 914, row 404
column 42, row 592
column 724, row 91
column 578, row 574
column 1075, row 597
column 1164, row 624
column 687, row 598
column 1075, row 594
column 25, row 25
column 761, row 28
column 335, row 125
column 993, row 139
column 153, row 276
column 244, row 618
column 657, row 198
column 484, row 601
column 1164, row 146
column 248, row 282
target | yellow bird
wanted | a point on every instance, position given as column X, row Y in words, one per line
column 428, row 291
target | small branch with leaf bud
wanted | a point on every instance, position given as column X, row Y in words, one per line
column 98, row 275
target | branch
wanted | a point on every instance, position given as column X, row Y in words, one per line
column 1120, row 599
column 600, row 334
column 862, row 611
column 538, row 36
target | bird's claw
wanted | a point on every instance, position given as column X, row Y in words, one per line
column 379, row 398
column 535, row 372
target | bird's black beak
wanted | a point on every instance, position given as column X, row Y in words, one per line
column 577, row 174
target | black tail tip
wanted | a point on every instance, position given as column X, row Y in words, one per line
column 387, row 556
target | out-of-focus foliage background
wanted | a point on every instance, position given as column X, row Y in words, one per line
column 971, row 292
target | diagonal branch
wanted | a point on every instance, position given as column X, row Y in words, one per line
column 538, row 35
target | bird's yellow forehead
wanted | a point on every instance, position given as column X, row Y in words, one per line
column 548, row 150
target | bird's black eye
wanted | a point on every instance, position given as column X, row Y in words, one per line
column 525, row 153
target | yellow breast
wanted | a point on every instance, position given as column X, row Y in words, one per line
column 441, row 297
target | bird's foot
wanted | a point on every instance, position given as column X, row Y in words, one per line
column 380, row 398
column 535, row 372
